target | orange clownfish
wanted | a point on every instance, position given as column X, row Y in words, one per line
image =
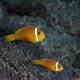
column 28, row 33
column 49, row 63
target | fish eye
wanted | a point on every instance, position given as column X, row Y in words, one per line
column 58, row 66
column 38, row 32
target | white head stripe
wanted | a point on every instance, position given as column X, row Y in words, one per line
column 36, row 35
column 57, row 66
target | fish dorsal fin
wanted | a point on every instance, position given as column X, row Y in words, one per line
column 19, row 30
column 44, row 58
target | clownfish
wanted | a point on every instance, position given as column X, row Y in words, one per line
column 53, row 65
column 28, row 33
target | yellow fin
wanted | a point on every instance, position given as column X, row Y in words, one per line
column 19, row 30
column 10, row 37
column 35, row 61
column 44, row 59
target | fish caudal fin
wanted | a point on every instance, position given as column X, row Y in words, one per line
column 35, row 61
column 10, row 37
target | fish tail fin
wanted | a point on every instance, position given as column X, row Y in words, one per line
column 35, row 61
column 10, row 37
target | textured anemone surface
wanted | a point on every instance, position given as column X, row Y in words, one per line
column 15, row 63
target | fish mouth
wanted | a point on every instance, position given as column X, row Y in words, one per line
column 62, row 68
column 44, row 36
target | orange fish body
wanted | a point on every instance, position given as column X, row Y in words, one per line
column 49, row 63
column 28, row 33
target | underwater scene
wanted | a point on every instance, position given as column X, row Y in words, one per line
column 40, row 40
